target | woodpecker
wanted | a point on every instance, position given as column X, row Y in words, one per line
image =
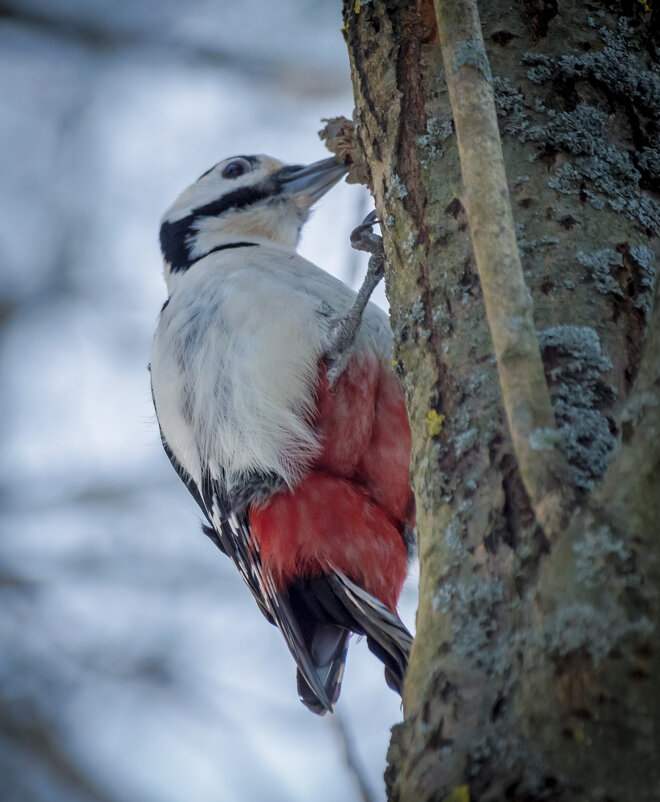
column 277, row 406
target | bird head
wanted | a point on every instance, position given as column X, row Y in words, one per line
column 244, row 197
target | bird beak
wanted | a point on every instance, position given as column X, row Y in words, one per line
column 308, row 183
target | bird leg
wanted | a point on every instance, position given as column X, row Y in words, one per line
column 345, row 328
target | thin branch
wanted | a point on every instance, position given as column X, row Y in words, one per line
column 353, row 762
column 536, row 440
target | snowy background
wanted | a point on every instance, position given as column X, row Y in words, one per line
column 134, row 664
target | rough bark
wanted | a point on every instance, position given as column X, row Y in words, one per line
column 534, row 670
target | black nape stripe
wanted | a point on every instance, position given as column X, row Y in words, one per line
column 173, row 245
column 227, row 246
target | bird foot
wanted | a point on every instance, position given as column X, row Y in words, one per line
column 344, row 329
column 364, row 239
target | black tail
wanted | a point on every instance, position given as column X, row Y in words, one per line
column 326, row 610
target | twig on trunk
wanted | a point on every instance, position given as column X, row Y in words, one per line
column 536, row 440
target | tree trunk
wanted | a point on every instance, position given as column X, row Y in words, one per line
column 534, row 670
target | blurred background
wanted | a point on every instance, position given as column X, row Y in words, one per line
column 134, row 664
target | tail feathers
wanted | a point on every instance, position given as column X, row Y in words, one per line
column 387, row 636
column 318, row 647
column 327, row 609
column 328, row 652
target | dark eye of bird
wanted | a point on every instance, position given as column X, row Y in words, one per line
column 233, row 170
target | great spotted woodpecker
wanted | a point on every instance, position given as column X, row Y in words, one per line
column 278, row 409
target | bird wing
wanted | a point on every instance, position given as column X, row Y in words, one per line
column 183, row 474
column 230, row 531
column 320, row 656
column 232, row 526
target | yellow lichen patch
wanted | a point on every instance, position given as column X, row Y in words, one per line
column 461, row 793
column 434, row 422
column 356, row 7
column 645, row 4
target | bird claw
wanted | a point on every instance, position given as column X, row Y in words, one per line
column 344, row 329
column 364, row 239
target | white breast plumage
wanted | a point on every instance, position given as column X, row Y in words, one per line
column 235, row 359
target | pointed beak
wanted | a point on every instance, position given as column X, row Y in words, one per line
column 309, row 183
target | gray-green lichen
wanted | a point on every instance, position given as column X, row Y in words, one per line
column 612, row 176
column 602, row 174
column 575, row 364
column 579, row 131
column 408, row 246
column 455, row 543
column 472, row 607
column 540, row 67
column 597, row 630
column 465, row 441
column 397, row 188
column 599, row 267
column 602, row 560
column 614, row 66
column 648, row 160
column 409, row 323
column 597, row 553
column 644, row 259
column 442, row 320
column 544, row 439
column 431, row 143
column 472, row 52
column 526, row 246
column 510, row 104
column 465, row 433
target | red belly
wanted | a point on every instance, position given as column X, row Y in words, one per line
column 349, row 512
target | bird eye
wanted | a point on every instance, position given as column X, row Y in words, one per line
column 234, row 169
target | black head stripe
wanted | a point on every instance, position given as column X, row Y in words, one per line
column 238, row 199
column 175, row 237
